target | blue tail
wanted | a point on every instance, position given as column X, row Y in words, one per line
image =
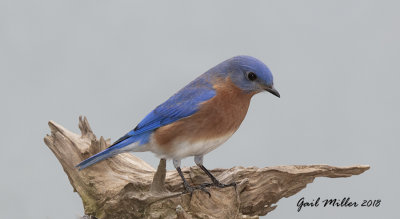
column 109, row 152
column 113, row 150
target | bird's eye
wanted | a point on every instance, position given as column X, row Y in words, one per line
column 251, row 76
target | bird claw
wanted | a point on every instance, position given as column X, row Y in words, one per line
column 191, row 189
column 207, row 184
column 219, row 184
column 203, row 188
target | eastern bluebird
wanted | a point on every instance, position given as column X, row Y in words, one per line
column 198, row 118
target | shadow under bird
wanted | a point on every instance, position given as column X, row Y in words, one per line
column 198, row 118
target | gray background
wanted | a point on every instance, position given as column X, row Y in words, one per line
column 336, row 65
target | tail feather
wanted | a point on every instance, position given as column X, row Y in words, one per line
column 97, row 158
column 107, row 153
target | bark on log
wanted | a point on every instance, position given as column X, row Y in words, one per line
column 123, row 186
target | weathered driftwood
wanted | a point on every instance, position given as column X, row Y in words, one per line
column 123, row 186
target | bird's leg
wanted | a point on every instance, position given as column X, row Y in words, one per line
column 214, row 180
column 188, row 188
column 199, row 162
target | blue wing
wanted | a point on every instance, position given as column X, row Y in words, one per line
column 182, row 104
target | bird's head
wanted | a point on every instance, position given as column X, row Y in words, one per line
column 250, row 75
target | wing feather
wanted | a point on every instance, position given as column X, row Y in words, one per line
column 184, row 103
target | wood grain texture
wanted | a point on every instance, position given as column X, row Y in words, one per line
column 123, row 186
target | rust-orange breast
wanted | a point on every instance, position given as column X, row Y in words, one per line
column 216, row 118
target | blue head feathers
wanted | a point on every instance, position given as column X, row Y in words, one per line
column 248, row 73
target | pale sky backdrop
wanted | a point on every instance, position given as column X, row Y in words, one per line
column 336, row 65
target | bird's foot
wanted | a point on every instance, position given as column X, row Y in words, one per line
column 191, row 189
column 219, row 184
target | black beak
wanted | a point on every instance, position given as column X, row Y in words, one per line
column 273, row 91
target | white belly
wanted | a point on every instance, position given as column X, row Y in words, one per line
column 183, row 148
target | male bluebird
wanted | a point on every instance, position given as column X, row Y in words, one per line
column 198, row 118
